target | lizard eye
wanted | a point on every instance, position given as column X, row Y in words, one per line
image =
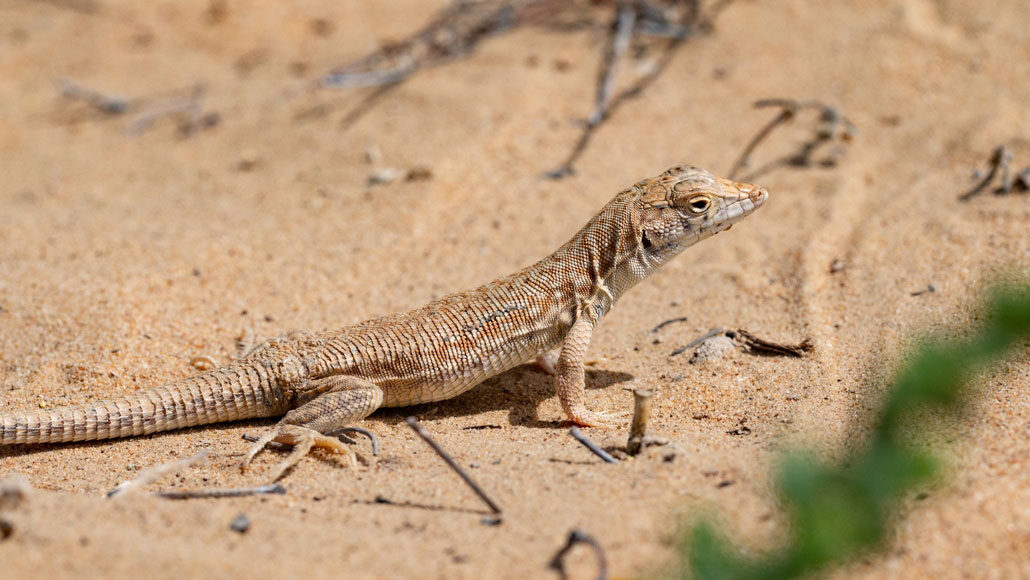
column 699, row 204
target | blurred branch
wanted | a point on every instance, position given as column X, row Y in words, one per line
column 832, row 127
column 685, row 17
column 456, row 30
column 1000, row 162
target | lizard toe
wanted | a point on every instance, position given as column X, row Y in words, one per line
column 587, row 418
column 303, row 441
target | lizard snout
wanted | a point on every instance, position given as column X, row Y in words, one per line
column 745, row 191
column 757, row 195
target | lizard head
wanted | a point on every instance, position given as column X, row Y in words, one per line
column 685, row 205
column 649, row 223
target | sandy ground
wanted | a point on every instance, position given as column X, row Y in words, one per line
column 122, row 257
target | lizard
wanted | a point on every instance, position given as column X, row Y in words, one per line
column 319, row 383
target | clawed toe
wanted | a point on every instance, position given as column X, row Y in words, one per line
column 302, row 439
column 587, row 418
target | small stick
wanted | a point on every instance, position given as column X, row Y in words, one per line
column 454, row 31
column 371, row 436
column 191, row 104
column 413, row 423
column 1006, row 175
column 665, row 323
column 1022, row 181
column 929, row 289
column 274, row 488
column 579, row 436
column 107, row 104
column 641, row 417
column 654, row 22
column 699, row 340
column 627, row 16
column 374, row 78
column 1000, row 158
column 761, row 346
column 831, row 120
column 365, row 105
column 703, row 24
column 577, row 536
column 155, row 473
column 786, row 114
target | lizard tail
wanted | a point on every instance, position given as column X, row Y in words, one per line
column 225, row 394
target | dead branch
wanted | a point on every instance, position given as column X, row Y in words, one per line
column 832, row 127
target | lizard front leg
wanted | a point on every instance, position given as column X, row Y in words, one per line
column 570, row 381
column 326, row 405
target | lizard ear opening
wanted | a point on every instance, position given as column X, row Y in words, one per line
column 645, row 241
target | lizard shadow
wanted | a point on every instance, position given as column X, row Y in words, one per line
column 519, row 391
column 28, row 449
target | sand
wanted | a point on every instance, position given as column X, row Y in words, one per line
column 124, row 257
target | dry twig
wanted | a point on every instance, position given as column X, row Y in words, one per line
column 604, row 455
column 757, row 345
column 930, row 288
column 577, row 536
column 690, row 21
column 413, row 423
column 665, row 323
column 626, row 16
column 751, row 343
column 112, row 105
column 457, row 30
column 832, row 127
column 154, row 473
column 274, row 488
column 1001, row 159
column 641, row 416
column 191, row 106
column 698, row 340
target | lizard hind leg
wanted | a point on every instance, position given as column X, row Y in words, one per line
column 326, row 405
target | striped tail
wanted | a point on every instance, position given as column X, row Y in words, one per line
column 225, row 394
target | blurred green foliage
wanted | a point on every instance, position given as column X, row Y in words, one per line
column 836, row 512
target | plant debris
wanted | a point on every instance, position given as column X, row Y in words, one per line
column 832, row 128
column 1000, row 160
column 577, row 536
column 753, row 344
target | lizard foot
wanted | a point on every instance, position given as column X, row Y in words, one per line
column 302, row 439
column 586, row 418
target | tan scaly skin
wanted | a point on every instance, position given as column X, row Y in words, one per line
column 321, row 382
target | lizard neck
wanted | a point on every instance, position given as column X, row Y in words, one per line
column 601, row 262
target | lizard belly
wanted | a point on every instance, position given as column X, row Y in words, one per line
column 451, row 345
column 451, row 368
